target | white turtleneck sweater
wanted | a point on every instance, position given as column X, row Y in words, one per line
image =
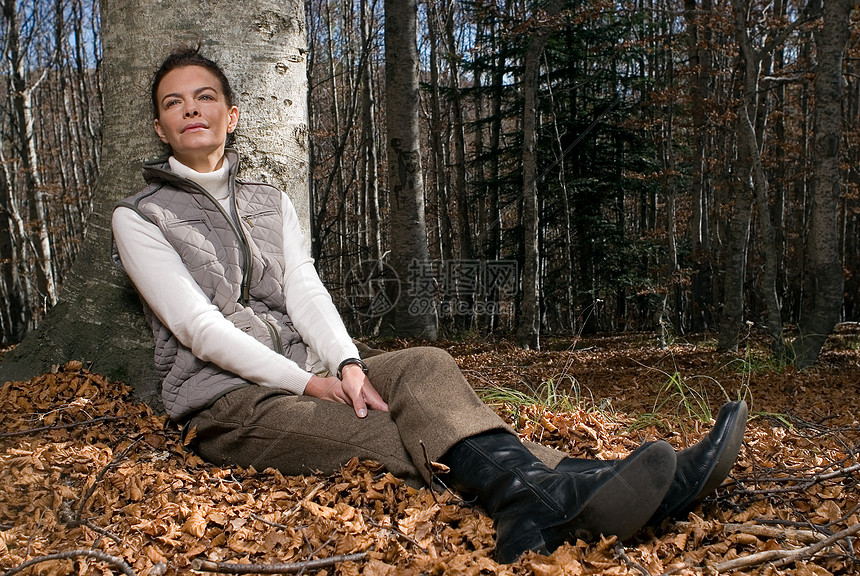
column 168, row 288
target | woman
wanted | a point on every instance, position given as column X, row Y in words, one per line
column 256, row 360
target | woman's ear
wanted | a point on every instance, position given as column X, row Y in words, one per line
column 159, row 131
column 234, row 119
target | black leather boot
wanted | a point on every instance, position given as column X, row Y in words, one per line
column 536, row 508
column 700, row 468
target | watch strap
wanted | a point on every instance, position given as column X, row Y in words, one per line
column 347, row 362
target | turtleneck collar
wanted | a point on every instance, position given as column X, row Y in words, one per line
column 216, row 183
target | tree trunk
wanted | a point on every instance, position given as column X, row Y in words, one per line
column 370, row 163
column 415, row 311
column 459, row 138
column 493, row 233
column 262, row 49
column 437, row 131
column 750, row 122
column 823, row 292
column 528, row 328
column 699, row 57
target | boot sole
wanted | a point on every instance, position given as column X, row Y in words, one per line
column 625, row 502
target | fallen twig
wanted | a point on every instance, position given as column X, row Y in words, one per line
column 96, row 554
column 621, row 553
column 298, row 505
column 57, row 427
column 231, row 568
column 782, row 558
column 803, row 536
column 83, row 502
column 802, row 482
column 259, row 518
column 396, row 532
column 96, row 529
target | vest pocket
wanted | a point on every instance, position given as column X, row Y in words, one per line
column 251, row 217
column 195, row 241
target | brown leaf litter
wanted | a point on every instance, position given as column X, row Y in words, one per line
column 85, row 467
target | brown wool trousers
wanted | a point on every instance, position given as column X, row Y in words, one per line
column 432, row 407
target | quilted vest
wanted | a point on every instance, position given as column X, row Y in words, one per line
column 237, row 260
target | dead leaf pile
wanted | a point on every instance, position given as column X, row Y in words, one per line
column 84, row 467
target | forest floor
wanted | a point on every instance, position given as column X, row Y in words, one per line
column 98, row 482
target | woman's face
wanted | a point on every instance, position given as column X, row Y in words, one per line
column 194, row 117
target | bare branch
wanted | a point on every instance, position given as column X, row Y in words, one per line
column 803, row 536
column 621, row 553
column 96, row 554
column 57, row 427
column 82, row 504
column 782, row 558
column 232, row 568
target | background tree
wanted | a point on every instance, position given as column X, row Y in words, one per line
column 415, row 313
column 824, row 281
column 261, row 48
column 49, row 138
column 528, row 332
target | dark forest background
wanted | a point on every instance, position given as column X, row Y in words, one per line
column 656, row 208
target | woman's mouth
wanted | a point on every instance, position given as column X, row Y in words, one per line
column 194, row 127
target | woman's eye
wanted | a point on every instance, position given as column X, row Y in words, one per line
column 207, row 97
column 171, row 103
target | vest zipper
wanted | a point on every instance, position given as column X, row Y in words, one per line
column 276, row 337
column 247, row 261
column 245, row 297
column 243, row 240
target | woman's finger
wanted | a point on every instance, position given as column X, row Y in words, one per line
column 373, row 399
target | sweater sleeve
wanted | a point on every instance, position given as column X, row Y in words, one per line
column 161, row 279
column 309, row 303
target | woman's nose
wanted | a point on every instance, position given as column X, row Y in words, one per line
column 189, row 113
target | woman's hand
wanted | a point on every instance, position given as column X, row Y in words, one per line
column 355, row 389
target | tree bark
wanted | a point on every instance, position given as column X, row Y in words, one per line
column 414, row 312
column 528, row 328
column 699, row 57
column 262, row 49
column 754, row 182
column 823, row 293
column 437, row 133
column 466, row 251
column 370, row 182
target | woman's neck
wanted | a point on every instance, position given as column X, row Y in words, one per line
column 215, row 182
column 203, row 163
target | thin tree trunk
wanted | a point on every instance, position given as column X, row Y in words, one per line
column 753, row 183
column 698, row 37
column 751, row 171
column 528, row 329
column 459, row 139
column 369, row 139
column 493, row 232
column 22, row 114
column 437, row 149
column 414, row 314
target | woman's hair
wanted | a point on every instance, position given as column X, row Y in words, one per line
column 180, row 58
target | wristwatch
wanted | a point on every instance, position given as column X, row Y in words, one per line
column 347, row 362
